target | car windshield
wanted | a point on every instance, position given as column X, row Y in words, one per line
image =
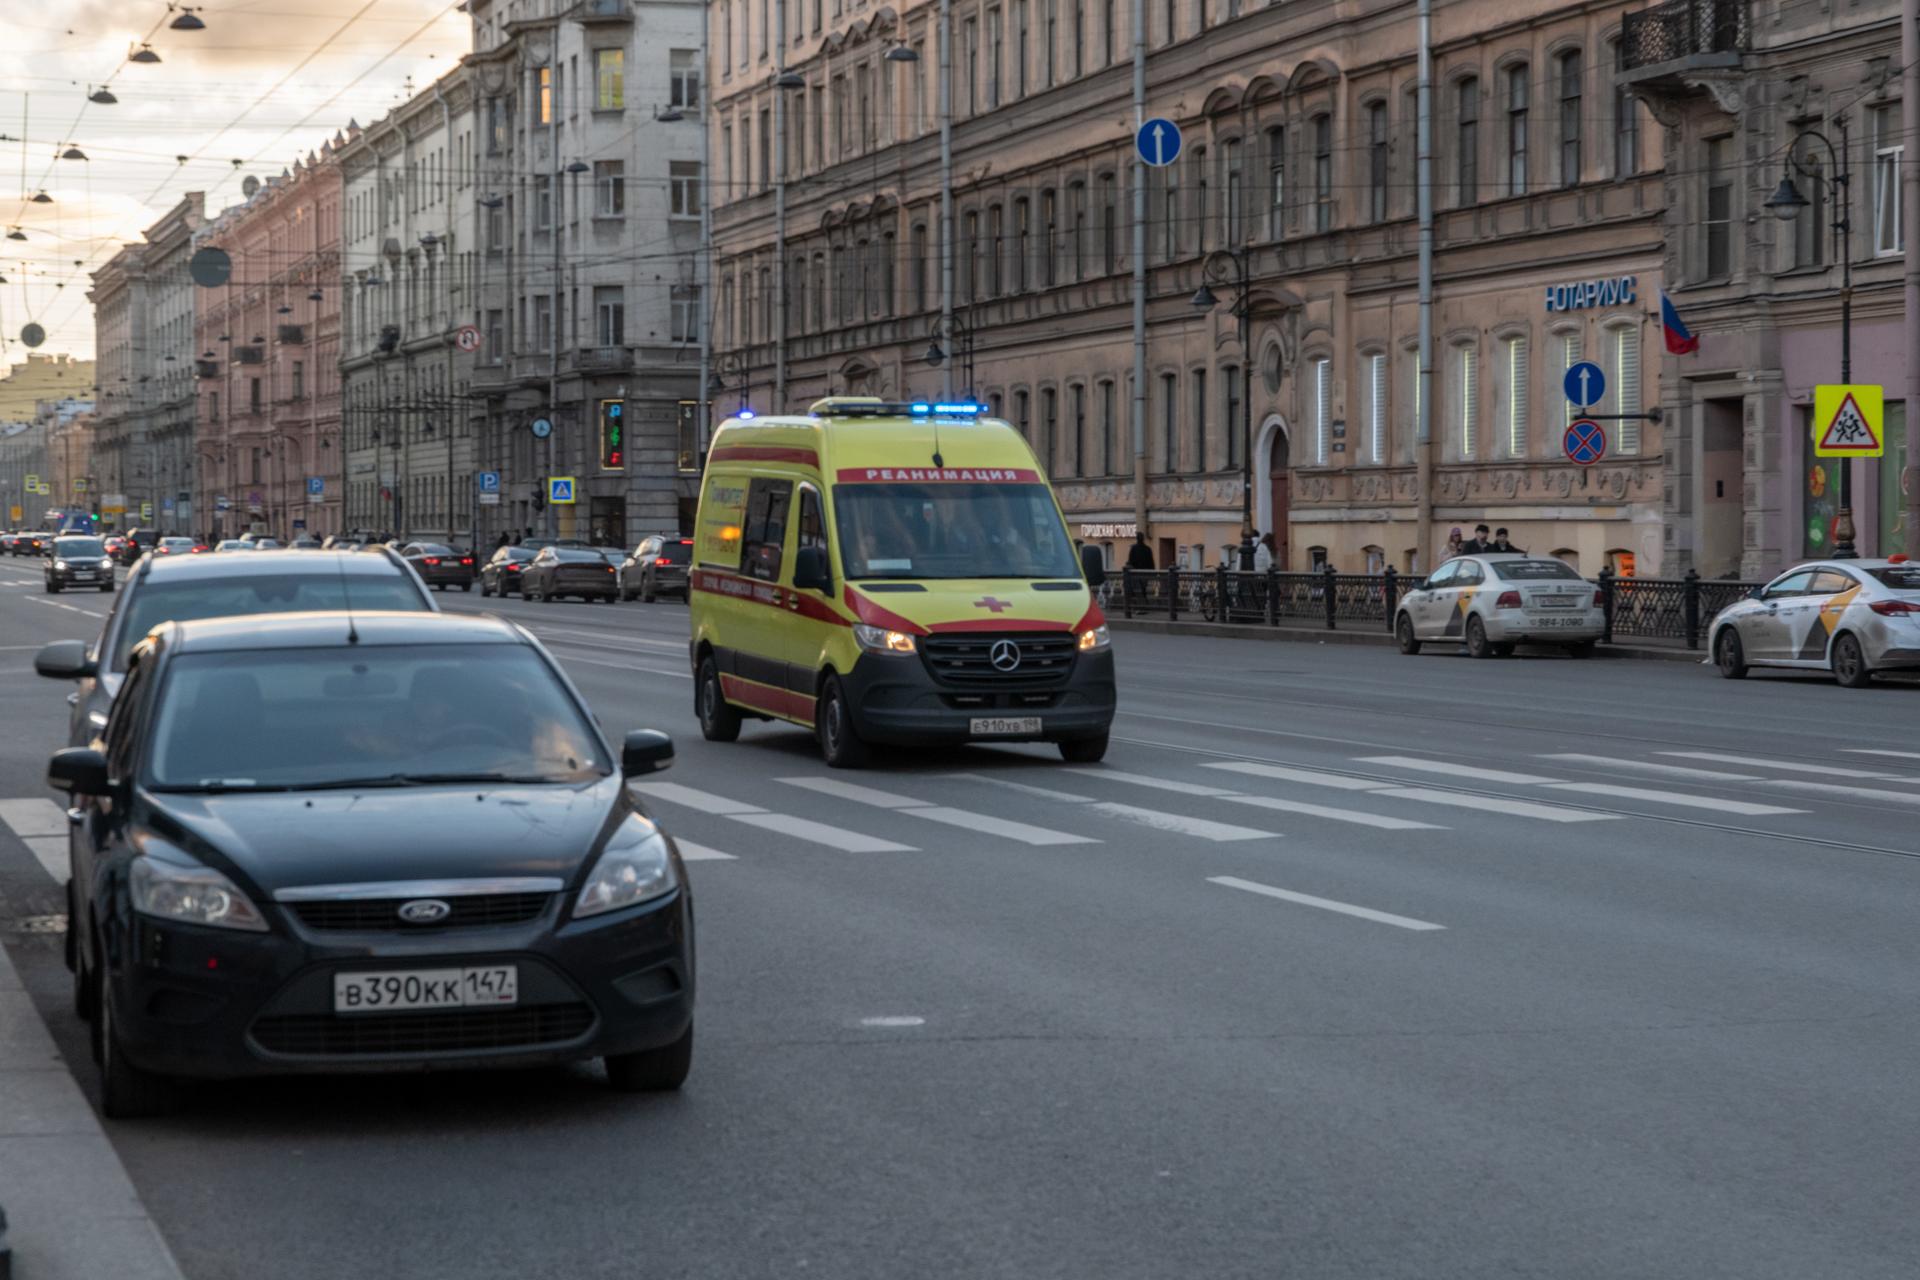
column 434, row 549
column 576, row 555
column 380, row 716
column 224, row 596
column 79, row 547
column 176, row 542
column 1534, row 571
column 1901, row 577
column 952, row 529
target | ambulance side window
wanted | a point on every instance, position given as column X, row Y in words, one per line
column 765, row 528
column 813, row 527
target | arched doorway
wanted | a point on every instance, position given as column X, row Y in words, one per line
column 1270, row 498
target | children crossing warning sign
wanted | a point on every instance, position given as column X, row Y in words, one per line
column 1847, row 422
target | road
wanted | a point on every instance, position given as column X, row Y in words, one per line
column 1344, row 964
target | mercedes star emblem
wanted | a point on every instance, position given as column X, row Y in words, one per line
column 1005, row 655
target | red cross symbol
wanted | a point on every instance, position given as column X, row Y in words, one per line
column 988, row 602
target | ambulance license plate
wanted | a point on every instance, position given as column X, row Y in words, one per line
column 1002, row 726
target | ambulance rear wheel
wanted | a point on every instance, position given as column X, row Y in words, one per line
column 719, row 722
column 839, row 741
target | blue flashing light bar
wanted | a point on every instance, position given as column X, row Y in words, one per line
column 745, row 415
column 964, row 408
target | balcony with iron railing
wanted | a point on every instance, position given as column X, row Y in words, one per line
column 1671, row 40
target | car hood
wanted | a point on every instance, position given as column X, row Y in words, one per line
column 973, row 604
column 280, row 840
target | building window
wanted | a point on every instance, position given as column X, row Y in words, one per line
column 969, row 256
column 1101, row 463
column 1570, row 71
column 543, row 322
column 1322, row 409
column 684, row 91
column 1519, row 392
column 1050, row 247
column 610, row 188
column 1079, row 38
column 996, row 249
column 1377, row 162
column 684, row 179
column 863, row 101
column 1076, row 466
column 766, row 149
column 1234, row 207
column 1109, row 224
column 1109, row 19
column 1889, row 149
column 1199, row 381
column 1050, row 46
column 1022, row 242
column 1171, row 10
column 1170, row 212
column 1571, row 353
column 1019, row 48
column 1467, row 362
column 1809, row 230
column 1517, row 92
column 917, row 241
column 1718, row 223
column 1170, row 420
column 1077, row 228
column 610, row 315
column 1049, row 426
column 543, row 96
column 996, row 39
column 610, row 78
column 1230, row 419
column 299, row 379
column 542, row 203
column 1322, row 172
column 1276, row 182
column 1376, row 363
column 1466, row 141
column 1626, row 127
column 1626, row 387
column 1023, row 416
column 1202, row 196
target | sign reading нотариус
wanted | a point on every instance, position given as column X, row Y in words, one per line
column 1584, row 295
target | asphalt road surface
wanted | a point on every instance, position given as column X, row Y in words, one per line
column 1344, row 964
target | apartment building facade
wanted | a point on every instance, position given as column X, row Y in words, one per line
column 1298, row 163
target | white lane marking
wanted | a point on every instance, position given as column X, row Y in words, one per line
column 37, row 817
column 820, row 833
column 1873, row 751
column 1496, row 804
column 606, row 639
column 1180, row 824
column 894, row 1020
column 1715, row 803
column 1887, row 796
column 1379, row 820
column 691, row 852
column 564, row 656
column 1327, row 904
column 1311, row 777
column 1453, row 770
column 705, row 801
column 982, row 823
column 1791, row 766
column 1652, row 766
column 1143, row 780
column 1043, row 793
column 52, row 853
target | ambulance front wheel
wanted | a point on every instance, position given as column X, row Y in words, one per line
column 839, row 741
column 1084, row 750
column 719, row 722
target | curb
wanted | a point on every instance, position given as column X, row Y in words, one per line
column 1308, row 635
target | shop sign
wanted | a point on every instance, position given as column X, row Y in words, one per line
column 1584, row 295
column 1109, row 530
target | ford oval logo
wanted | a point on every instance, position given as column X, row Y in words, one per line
column 425, row 911
column 1005, row 655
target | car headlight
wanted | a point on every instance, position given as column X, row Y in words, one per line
column 191, row 894
column 1094, row 639
column 881, row 640
column 59, row 564
column 634, row 867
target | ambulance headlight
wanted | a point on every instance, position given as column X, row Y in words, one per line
column 1094, row 639
column 881, row 640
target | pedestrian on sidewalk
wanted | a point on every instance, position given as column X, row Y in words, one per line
column 1140, row 555
column 1263, row 552
column 1454, row 545
column 1502, row 545
column 1478, row 544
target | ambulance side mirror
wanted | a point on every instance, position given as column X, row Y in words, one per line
column 810, row 571
column 1094, row 565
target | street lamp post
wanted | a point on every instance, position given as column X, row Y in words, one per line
column 1786, row 203
column 956, row 331
column 1217, row 267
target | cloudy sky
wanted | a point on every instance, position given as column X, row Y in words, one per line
column 264, row 83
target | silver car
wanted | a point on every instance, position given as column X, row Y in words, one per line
column 1850, row 617
column 1490, row 603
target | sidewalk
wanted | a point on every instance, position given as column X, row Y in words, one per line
column 72, row 1212
column 1368, row 634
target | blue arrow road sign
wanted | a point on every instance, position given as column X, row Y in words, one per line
column 489, row 481
column 1585, row 383
column 1158, row 142
column 316, row 485
column 1586, row 442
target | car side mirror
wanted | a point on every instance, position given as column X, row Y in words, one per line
column 644, row 751
column 1758, row 593
column 81, row 771
column 1094, row 565
column 64, row 660
column 810, row 570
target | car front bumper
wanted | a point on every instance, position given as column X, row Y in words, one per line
column 896, row 700
column 217, row 1004
column 81, row 577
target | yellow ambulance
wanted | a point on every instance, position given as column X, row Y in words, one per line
column 892, row 574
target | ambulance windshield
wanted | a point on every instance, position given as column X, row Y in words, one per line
column 951, row 529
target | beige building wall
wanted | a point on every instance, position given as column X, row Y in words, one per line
column 1299, row 152
column 43, row 377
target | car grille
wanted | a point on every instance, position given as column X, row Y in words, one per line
column 384, row 913
column 317, row 1034
column 967, row 658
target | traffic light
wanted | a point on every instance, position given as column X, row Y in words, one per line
column 613, row 435
column 539, row 499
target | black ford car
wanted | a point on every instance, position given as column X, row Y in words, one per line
column 307, row 847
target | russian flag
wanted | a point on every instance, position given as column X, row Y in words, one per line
column 1680, row 341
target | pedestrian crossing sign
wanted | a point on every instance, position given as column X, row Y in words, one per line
column 1847, row 422
column 560, row 490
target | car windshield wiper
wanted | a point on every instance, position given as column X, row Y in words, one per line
column 420, row 779
column 215, row 786
column 482, row 777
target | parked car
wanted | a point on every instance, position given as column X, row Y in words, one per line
column 1490, row 603
column 78, row 560
column 500, row 575
column 1855, row 618
column 295, row 797
column 569, row 571
column 657, row 567
column 440, row 567
column 163, row 588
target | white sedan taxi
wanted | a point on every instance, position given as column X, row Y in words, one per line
column 1851, row 617
column 1490, row 603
